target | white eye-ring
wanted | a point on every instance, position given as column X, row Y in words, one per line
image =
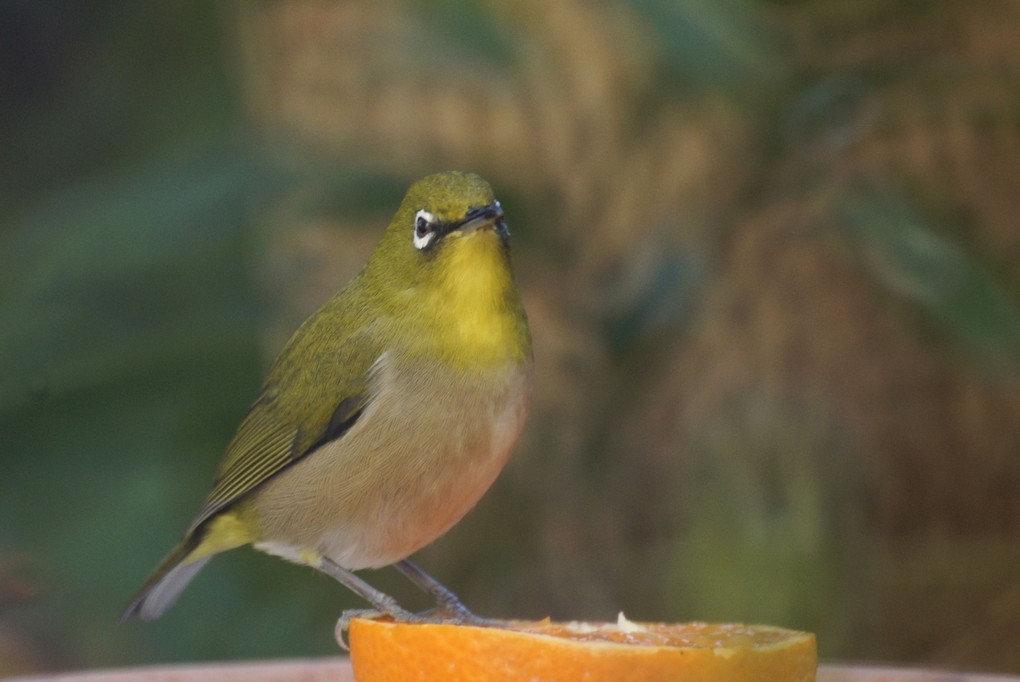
column 424, row 229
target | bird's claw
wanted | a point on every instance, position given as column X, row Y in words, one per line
column 344, row 623
column 456, row 613
column 453, row 613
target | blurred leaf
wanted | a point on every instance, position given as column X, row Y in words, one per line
column 658, row 295
column 458, row 33
column 112, row 276
column 714, row 44
column 101, row 84
column 772, row 525
column 828, row 115
column 909, row 254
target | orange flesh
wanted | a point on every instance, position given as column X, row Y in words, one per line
column 698, row 635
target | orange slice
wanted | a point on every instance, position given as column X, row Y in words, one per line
column 384, row 651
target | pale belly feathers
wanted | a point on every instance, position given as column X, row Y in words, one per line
column 412, row 465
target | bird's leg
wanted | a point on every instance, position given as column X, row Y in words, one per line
column 382, row 603
column 446, row 601
column 448, row 606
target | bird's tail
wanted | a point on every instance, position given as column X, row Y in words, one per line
column 224, row 531
column 166, row 583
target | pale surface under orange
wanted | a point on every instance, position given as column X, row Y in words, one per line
column 383, row 651
column 339, row 670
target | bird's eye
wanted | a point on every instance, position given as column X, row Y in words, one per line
column 424, row 229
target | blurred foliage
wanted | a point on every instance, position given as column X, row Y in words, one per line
column 767, row 249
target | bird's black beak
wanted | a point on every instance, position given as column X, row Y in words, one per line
column 482, row 217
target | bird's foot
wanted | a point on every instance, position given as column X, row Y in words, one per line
column 453, row 611
column 450, row 613
column 343, row 624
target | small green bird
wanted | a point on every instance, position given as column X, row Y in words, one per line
column 387, row 415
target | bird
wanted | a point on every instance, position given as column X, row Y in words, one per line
column 386, row 416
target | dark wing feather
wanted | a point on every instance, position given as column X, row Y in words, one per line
column 343, row 418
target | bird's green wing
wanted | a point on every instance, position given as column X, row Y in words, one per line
column 305, row 403
column 262, row 447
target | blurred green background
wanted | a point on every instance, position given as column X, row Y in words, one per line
column 768, row 249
